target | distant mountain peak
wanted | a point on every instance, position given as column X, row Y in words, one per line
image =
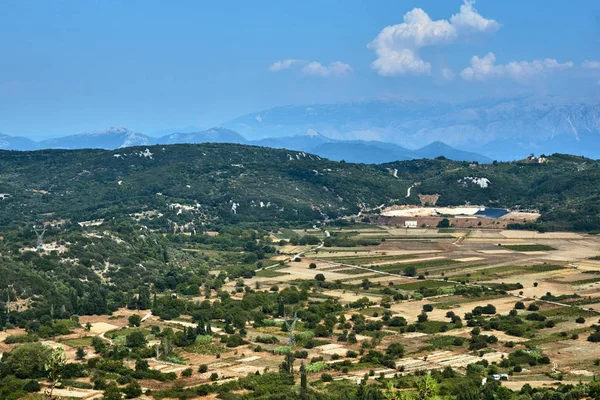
column 217, row 134
column 438, row 144
column 111, row 131
column 311, row 133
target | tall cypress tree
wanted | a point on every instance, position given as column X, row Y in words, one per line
column 303, row 381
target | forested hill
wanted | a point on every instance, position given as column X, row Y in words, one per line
column 216, row 180
column 198, row 183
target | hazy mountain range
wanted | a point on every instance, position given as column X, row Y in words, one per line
column 382, row 131
column 352, row 151
column 502, row 129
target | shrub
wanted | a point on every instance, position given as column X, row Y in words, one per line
column 580, row 320
column 395, row 350
column 27, row 361
column 135, row 339
column 267, row 339
column 444, row 223
column 203, row 368
column 233, row 341
column 301, row 354
column 594, row 337
column 316, row 367
column 13, row 339
column 282, row 350
column 32, row 386
column 326, row 377
column 134, row 320
column 133, row 390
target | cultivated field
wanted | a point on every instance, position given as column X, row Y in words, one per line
column 392, row 284
column 553, row 271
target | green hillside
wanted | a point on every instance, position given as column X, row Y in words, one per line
column 230, row 183
column 565, row 189
column 84, row 184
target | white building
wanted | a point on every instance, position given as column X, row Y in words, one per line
column 410, row 224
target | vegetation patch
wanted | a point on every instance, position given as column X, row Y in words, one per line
column 442, row 342
column 316, row 367
column 78, row 342
column 204, row 345
column 527, row 247
column 270, row 273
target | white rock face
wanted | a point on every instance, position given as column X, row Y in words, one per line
column 146, row 154
column 481, row 182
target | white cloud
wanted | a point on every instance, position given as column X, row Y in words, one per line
column 392, row 63
column 313, row 68
column 468, row 19
column 486, row 68
column 524, row 70
column 282, row 64
column 482, row 68
column 448, row 74
column 396, row 46
column 590, row 64
column 335, row 68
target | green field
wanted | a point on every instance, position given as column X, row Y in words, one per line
column 270, row 273
column 399, row 268
column 418, row 284
column 78, row 342
column 500, row 272
column 527, row 247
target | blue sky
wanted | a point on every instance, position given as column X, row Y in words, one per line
column 74, row 66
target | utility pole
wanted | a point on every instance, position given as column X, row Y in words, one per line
column 39, row 232
column 290, row 328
